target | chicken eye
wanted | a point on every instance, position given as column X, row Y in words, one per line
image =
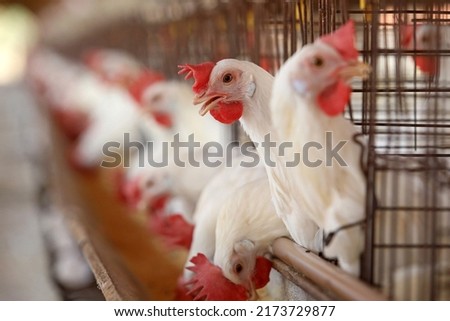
column 149, row 183
column 156, row 98
column 317, row 61
column 227, row 78
column 238, row 268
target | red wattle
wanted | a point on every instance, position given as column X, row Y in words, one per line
column 162, row 118
column 132, row 192
column 427, row 64
column 159, row 202
column 228, row 113
column 334, row 99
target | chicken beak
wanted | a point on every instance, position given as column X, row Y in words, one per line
column 355, row 69
column 210, row 101
column 199, row 98
column 205, row 109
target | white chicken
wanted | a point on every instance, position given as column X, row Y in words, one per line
column 109, row 110
column 428, row 42
column 310, row 92
column 170, row 102
column 210, row 203
column 309, row 95
column 67, row 88
column 181, row 186
column 113, row 65
column 114, row 114
column 246, row 227
column 235, row 232
column 232, row 90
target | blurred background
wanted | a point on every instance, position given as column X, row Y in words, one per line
column 27, row 248
column 67, row 233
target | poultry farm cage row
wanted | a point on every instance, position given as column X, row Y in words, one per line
column 402, row 109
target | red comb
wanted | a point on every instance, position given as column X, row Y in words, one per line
column 343, row 40
column 181, row 291
column 262, row 272
column 92, row 57
column 209, row 284
column 145, row 79
column 174, row 230
column 72, row 122
column 200, row 73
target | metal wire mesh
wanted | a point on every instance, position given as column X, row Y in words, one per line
column 403, row 113
column 406, row 117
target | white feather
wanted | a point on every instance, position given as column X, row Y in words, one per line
column 256, row 121
column 210, row 203
column 332, row 195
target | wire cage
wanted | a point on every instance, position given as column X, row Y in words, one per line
column 405, row 116
column 402, row 111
